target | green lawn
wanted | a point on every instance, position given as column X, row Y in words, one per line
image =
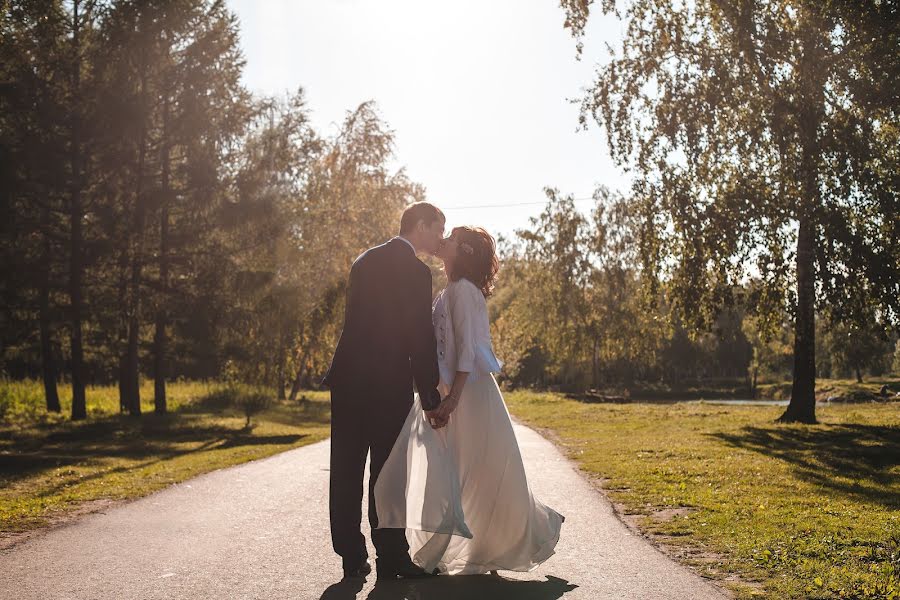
column 794, row 511
column 50, row 466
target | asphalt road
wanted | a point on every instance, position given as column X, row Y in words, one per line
column 260, row 530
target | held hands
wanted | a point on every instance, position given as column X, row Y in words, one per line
column 440, row 416
column 446, row 407
column 434, row 418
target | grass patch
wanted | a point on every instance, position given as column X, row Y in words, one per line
column 798, row 511
column 50, row 466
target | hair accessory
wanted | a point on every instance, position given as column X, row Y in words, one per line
column 467, row 248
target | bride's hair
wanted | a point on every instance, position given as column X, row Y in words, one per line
column 476, row 258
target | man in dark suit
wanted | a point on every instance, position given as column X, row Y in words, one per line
column 386, row 345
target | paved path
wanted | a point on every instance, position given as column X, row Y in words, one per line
column 260, row 530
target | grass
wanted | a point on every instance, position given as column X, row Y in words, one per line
column 794, row 511
column 50, row 466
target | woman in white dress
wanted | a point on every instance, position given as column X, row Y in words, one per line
column 457, row 483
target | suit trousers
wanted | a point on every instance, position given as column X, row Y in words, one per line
column 362, row 422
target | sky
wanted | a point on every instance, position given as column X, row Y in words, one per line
column 478, row 93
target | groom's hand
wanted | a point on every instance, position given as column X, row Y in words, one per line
column 435, row 419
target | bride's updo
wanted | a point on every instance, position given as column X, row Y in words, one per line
column 476, row 258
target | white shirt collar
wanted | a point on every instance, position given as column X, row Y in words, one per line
column 400, row 237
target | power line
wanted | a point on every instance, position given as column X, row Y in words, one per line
column 474, row 206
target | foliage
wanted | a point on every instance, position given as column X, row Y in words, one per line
column 570, row 306
column 856, row 348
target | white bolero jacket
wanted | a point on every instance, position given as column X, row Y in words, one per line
column 463, row 333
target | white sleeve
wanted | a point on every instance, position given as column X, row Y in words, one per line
column 464, row 307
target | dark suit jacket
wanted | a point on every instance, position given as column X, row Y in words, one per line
column 388, row 340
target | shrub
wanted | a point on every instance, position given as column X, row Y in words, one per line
column 252, row 402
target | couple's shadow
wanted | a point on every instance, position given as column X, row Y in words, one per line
column 451, row 588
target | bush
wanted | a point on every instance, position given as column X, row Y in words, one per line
column 252, row 402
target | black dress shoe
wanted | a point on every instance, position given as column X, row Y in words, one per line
column 405, row 569
column 361, row 570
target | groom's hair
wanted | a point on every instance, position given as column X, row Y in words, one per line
column 420, row 211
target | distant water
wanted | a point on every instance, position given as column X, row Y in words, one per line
column 745, row 402
column 723, row 401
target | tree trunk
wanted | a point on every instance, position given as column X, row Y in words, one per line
column 123, row 375
column 123, row 325
column 279, row 374
column 159, row 338
column 802, row 407
column 295, row 387
column 79, row 404
column 132, row 365
column 48, row 365
column 859, row 378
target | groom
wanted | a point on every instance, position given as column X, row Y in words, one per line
column 387, row 344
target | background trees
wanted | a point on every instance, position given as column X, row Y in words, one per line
column 576, row 309
column 161, row 219
column 763, row 136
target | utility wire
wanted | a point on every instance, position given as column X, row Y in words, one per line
column 474, row 206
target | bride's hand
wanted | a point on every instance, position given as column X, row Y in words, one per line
column 447, row 406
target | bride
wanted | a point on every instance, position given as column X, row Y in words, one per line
column 456, row 482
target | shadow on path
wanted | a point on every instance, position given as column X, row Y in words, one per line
column 852, row 459
column 452, row 588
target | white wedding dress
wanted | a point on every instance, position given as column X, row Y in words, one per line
column 460, row 491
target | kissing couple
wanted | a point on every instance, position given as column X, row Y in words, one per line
column 447, row 487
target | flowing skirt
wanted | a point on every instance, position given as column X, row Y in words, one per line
column 461, row 492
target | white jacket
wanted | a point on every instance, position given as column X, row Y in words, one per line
column 463, row 333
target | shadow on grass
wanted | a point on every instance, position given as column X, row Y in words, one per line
column 151, row 439
column 852, row 459
column 452, row 588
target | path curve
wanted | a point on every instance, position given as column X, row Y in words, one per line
column 260, row 530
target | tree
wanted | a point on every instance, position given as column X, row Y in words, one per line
column 626, row 331
column 202, row 108
column 78, row 106
column 32, row 178
column 763, row 135
column 554, row 297
column 857, row 347
column 355, row 196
